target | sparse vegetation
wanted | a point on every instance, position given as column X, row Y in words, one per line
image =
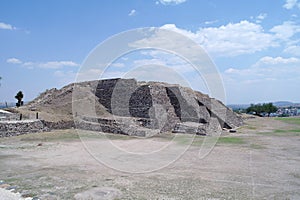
column 281, row 132
column 287, row 131
column 231, row 140
column 256, row 146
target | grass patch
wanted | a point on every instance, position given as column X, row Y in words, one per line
column 184, row 139
column 198, row 140
column 251, row 127
column 11, row 180
column 231, row 140
column 289, row 120
column 280, row 132
column 287, row 131
column 181, row 139
column 51, row 136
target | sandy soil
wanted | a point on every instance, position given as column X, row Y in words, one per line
column 260, row 161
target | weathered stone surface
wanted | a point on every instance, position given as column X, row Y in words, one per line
column 58, row 125
column 186, row 105
column 14, row 128
column 119, row 125
column 226, row 117
column 214, row 127
column 116, row 94
column 191, row 128
column 162, row 112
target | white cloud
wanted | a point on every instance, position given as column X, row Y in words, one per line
column 46, row 65
column 235, row 39
column 164, row 39
column 240, row 38
column 153, row 61
column 89, row 74
column 171, row 2
column 293, row 50
column 64, row 77
column 294, row 16
column 7, row 26
column 211, row 22
column 268, row 60
column 132, row 12
column 162, row 58
column 270, row 78
column 286, row 30
column 232, row 71
column 230, row 40
column 57, row 64
column 155, row 73
column 261, row 17
column 190, row 34
column 14, row 61
column 118, row 64
column 267, row 68
column 290, row 4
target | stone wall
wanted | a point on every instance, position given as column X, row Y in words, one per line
column 58, row 125
column 142, row 127
column 14, row 128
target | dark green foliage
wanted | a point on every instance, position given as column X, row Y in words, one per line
column 258, row 109
column 19, row 97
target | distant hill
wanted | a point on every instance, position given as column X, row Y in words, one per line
column 10, row 104
column 277, row 104
column 238, row 106
column 285, row 104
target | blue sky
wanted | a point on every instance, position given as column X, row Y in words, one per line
column 254, row 44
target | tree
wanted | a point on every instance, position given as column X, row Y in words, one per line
column 19, row 97
column 258, row 109
column 270, row 108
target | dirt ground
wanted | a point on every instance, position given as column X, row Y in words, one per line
column 260, row 161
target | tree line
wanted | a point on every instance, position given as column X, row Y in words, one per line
column 259, row 109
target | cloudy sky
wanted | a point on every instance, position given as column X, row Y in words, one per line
column 255, row 44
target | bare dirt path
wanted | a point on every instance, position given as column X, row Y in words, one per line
column 260, row 161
